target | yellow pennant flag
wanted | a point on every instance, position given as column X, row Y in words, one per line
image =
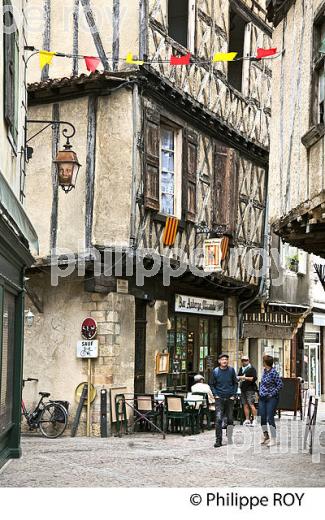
column 45, row 58
column 129, row 59
column 224, row 56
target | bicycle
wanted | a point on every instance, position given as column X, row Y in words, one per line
column 50, row 417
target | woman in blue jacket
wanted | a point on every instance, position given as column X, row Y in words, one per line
column 270, row 387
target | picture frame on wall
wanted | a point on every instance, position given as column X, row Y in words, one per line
column 162, row 363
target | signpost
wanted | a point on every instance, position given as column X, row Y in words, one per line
column 88, row 349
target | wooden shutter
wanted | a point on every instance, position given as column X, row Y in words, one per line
column 190, row 165
column 225, row 196
column 9, row 69
column 151, row 159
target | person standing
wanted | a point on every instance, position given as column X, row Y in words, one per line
column 247, row 382
column 224, row 386
column 270, row 387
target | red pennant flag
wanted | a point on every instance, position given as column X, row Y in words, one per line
column 263, row 53
column 92, row 63
column 182, row 60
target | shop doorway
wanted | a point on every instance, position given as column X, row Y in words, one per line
column 193, row 343
column 140, row 346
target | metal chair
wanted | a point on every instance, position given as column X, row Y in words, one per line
column 146, row 405
column 208, row 410
column 177, row 413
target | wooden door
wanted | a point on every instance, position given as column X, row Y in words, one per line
column 140, row 346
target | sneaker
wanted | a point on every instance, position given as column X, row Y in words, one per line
column 254, row 423
column 247, row 422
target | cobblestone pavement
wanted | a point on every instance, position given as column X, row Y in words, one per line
column 147, row 460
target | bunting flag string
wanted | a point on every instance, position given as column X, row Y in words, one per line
column 92, row 62
column 45, row 58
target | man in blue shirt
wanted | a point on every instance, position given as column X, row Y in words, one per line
column 224, row 386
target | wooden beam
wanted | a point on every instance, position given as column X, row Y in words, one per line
column 95, row 34
column 75, row 16
column 37, row 302
column 116, row 34
column 46, row 35
column 55, row 187
column 90, row 167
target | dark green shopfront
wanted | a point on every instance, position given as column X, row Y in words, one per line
column 16, row 235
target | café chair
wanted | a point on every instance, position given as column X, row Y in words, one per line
column 146, row 405
column 177, row 413
column 208, row 411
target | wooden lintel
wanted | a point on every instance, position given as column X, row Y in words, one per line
column 35, row 299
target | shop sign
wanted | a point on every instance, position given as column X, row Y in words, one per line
column 87, row 349
column 195, row 305
column 212, row 255
column 122, row 286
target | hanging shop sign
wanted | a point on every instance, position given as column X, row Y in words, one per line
column 87, row 349
column 193, row 305
column 89, row 328
column 212, row 255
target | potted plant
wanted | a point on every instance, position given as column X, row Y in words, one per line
column 293, row 263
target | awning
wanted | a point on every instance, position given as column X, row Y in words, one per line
column 15, row 211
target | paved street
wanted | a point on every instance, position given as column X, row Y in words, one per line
column 148, row 460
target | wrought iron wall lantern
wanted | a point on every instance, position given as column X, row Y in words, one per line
column 66, row 160
column 217, row 231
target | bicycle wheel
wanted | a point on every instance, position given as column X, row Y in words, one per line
column 53, row 421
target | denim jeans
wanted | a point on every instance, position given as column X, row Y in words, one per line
column 224, row 409
column 266, row 408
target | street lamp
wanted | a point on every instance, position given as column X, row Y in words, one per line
column 68, row 167
column 66, row 160
column 29, row 318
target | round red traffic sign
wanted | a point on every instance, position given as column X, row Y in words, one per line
column 89, row 328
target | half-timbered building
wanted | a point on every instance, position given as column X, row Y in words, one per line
column 296, row 181
column 160, row 145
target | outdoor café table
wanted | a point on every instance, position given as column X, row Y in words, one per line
column 129, row 401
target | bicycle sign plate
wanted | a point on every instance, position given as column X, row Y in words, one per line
column 87, row 349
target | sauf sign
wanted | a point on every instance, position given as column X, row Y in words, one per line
column 193, row 305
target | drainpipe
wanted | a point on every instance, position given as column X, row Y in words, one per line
column 135, row 104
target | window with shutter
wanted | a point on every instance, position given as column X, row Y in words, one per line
column 190, row 159
column 225, row 196
column 11, row 70
column 151, row 160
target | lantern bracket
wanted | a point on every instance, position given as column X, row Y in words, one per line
column 65, row 132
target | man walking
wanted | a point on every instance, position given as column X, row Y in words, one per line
column 224, row 386
column 247, row 381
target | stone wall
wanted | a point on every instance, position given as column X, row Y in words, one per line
column 229, row 330
column 114, row 314
column 50, row 344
